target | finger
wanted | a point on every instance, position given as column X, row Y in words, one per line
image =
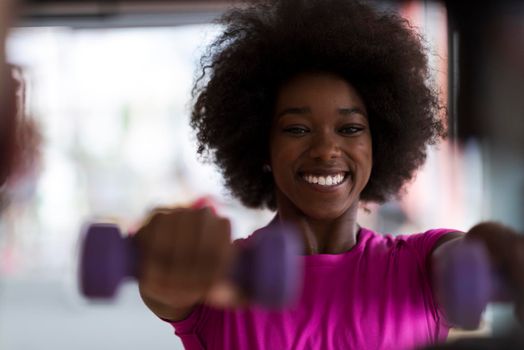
column 167, row 246
column 181, row 241
column 175, row 291
column 215, row 252
column 223, row 293
column 497, row 238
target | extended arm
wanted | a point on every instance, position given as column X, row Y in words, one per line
column 499, row 260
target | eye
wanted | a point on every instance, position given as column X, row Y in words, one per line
column 295, row 130
column 350, row 129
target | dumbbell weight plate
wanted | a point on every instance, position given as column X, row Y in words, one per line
column 106, row 259
column 268, row 268
column 466, row 284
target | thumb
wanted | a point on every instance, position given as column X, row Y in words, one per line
column 225, row 294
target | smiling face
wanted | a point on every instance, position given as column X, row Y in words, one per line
column 320, row 145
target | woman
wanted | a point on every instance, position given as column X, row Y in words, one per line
column 309, row 108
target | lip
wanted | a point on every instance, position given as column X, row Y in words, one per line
column 323, row 171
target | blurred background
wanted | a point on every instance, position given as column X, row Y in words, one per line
column 108, row 86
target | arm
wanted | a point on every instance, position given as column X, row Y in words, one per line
column 441, row 249
column 504, row 250
column 445, row 240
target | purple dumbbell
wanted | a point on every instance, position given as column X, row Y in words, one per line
column 267, row 268
column 467, row 282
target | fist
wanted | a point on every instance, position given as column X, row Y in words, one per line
column 506, row 249
column 185, row 255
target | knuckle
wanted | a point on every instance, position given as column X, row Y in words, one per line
column 155, row 218
column 204, row 209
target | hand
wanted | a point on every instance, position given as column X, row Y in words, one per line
column 506, row 249
column 185, row 255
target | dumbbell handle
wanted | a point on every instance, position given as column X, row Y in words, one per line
column 268, row 269
column 466, row 282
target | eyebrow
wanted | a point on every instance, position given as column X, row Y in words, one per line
column 305, row 110
column 352, row 110
column 294, row 110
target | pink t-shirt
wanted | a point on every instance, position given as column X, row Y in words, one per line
column 375, row 296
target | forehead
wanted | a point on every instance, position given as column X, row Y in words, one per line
column 315, row 87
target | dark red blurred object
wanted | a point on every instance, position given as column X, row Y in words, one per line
column 8, row 126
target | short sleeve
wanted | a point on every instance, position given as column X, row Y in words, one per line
column 424, row 243
column 186, row 329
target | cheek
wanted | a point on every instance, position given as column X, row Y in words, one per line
column 283, row 156
column 282, row 152
column 365, row 155
column 368, row 153
column 366, row 146
column 281, row 162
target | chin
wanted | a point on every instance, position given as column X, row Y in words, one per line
column 324, row 213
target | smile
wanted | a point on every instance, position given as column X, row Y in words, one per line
column 324, row 180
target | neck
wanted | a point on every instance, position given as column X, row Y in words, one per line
column 325, row 236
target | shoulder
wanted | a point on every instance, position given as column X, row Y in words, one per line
column 430, row 236
column 422, row 243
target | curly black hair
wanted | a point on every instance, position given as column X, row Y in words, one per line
column 268, row 42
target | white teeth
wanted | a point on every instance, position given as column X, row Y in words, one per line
column 330, row 180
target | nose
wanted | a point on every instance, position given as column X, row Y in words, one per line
column 324, row 146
